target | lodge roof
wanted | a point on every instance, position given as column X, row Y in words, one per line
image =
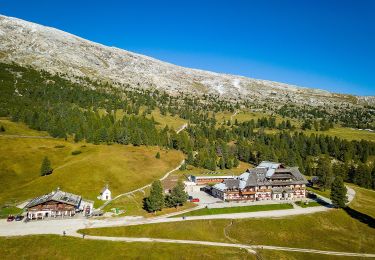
column 59, row 196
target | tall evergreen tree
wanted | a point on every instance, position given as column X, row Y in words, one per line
column 155, row 201
column 236, row 163
column 178, row 194
column 363, row 176
column 324, row 172
column 338, row 193
column 221, row 163
column 45, row 168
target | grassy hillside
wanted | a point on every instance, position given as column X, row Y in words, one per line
column 363, row 201
column 341, row 132
column 174, row 122
column 124, row 168
column 336, row 230
column 347, row 133
column 12, row 128
column 57, row 247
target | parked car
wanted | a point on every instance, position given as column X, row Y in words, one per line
column 19, row 218
column 10, row 218
column 194, row 200
column 311, row 195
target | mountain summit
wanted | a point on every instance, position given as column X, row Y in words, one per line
column 57, row 51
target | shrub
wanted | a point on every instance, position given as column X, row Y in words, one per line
column 60, row 146
column 76, row 152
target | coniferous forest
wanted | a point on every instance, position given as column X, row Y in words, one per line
column 88, row 110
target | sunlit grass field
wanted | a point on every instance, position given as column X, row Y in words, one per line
column 58, row 247
column 12, row 128
column 124, row 168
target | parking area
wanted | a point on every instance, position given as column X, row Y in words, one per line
column 204, row 198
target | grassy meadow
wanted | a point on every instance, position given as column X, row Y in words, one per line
column 58, row 247
column 174, row 122
column 363, row 200
column 346, row 133
column 124, row 168
column 12, row 128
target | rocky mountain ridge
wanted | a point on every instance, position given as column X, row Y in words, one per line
column 56, row 51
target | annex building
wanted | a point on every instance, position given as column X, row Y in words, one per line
column 57, row 204
column 268, row 181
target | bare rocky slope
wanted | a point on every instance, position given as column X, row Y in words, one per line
column 53, row 50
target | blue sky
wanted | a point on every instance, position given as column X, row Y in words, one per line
column 322, row 44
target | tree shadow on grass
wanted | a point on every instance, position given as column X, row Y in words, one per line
column 366, row 219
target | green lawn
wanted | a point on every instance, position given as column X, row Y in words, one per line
column 124, row 168
column 325, row 193
column 58, row 247
column 239, row 209
column 5, row 211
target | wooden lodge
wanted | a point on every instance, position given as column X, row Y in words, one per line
column 268, row 181
column 57, row 204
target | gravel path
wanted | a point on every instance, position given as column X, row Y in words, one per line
column 182, row 128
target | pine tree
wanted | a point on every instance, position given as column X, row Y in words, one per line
column 45, row 169
column 155, row 201
column 338, row 193
column 190, row 158
column 157, row 156
column 324, row 172
column 236, row 162
column 363, row 176
column 2, row 128
column 221, row 163
column 169, row 201
column 229, row 164
column 178, row 194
